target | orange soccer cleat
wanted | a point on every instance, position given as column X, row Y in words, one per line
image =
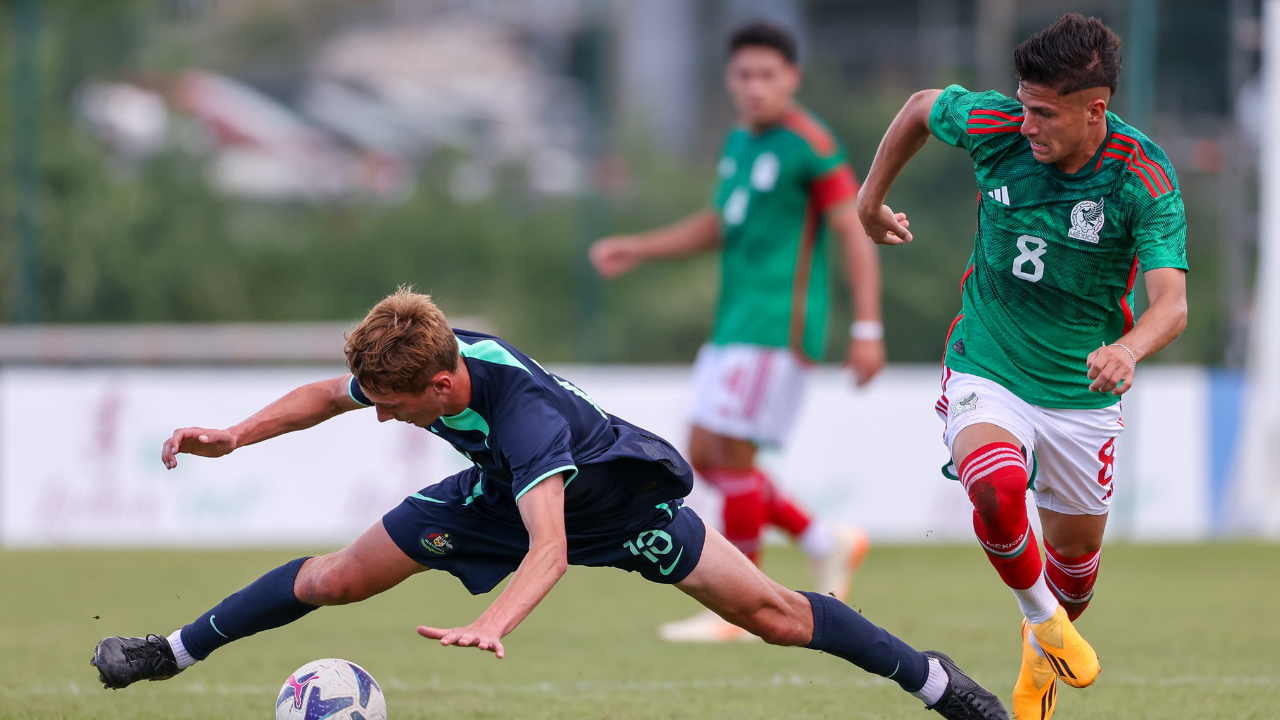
column 1035, row 695
column 1072, row 658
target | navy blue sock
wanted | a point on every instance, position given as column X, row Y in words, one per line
column 842, row 631
column 266, row 603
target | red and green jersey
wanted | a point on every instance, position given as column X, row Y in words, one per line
column 775, row 187
column 1055, row 255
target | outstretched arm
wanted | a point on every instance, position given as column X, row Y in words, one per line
column 862, row 267
column 1111, row 367
column 905, row 137
column 619, row 254
column 302, row 408
column 542, row 510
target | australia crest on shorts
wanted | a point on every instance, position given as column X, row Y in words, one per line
column 1086, row 221
column 437, row 543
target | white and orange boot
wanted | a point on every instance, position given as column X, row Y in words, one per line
column 834, row 572
column 705, row 627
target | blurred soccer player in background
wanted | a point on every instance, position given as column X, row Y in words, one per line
column 783, row 180
column 1072, row 201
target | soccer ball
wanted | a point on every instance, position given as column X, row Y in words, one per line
column 331, row 689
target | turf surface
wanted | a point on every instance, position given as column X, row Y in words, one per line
column 1183, row 632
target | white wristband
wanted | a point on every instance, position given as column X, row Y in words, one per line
column 866, row 330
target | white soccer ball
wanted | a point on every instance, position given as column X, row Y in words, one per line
column 331, row 689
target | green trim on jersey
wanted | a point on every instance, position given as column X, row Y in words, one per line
column 570, row 471
column 466, row 420
column 490, row 351
column 1055, row 255
column 775, row 287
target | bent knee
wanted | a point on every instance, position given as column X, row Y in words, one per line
column 786, row 634
column 784, row 631
column 777, row 626
column 329, row 581
column 993, row 496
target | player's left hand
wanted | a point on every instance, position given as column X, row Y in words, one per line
column 474, row 635
column 884, row 226
column 865, row 360
column 1111, row 368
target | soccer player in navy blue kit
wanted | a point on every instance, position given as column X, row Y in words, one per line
column 556, row 481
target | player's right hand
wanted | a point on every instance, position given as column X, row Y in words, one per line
column 475, row 635
column 196, row 441
column 615, row 255
column 885, row 227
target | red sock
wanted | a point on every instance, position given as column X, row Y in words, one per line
column 1071, row 579
column 784, row 513
column 995, row 476
column 745, row 512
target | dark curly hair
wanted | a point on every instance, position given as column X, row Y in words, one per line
column 1070, row 55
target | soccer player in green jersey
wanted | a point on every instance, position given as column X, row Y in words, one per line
column 1072, row 203
column 783, row 180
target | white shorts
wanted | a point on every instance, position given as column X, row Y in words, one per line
column 748, row 392
column 1071, row 452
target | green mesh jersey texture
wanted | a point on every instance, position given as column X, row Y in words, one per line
column 774, row 271
column 1055, row 256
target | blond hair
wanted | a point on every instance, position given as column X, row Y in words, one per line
column 401, row 344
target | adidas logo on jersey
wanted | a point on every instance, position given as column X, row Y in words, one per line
column 1000, row 195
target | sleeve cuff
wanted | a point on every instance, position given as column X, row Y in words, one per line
column 570, row 471
column 1162, row 264
column 353, row 389
column 936, row 112
column 834, row 188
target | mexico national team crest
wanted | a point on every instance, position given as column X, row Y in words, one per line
column 1086, row 221
column 437, row 543
column 964, row 405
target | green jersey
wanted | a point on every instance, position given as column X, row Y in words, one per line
column 774, row 189
column 1055, row 255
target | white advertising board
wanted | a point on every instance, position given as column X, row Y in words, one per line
column 80, row 462
column 79, row 457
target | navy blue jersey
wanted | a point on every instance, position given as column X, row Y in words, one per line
column 524, row 424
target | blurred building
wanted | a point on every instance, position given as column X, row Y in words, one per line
column 523, row 102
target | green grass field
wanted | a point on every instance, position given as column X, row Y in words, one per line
column 1204, row 647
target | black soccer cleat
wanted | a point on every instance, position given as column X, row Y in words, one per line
column 123, row 661
column 964, row 699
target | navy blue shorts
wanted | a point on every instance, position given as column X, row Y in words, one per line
column 455, row 526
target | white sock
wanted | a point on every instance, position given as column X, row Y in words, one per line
column 1037, row 602
column 1035, row 644
column 818, row 540
column 933, row 688
column 179, row 651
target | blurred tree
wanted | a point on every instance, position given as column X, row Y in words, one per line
column 157, row 244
